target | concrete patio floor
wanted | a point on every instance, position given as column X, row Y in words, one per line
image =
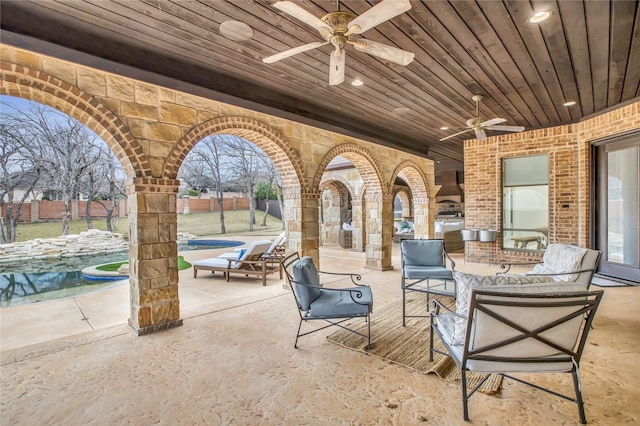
column 74, row 361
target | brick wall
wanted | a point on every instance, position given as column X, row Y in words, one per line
column 568, row 148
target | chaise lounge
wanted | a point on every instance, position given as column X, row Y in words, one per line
column 251, row 262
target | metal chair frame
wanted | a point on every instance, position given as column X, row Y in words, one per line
column 333, row 320
column 423, row 285
column 585, row 304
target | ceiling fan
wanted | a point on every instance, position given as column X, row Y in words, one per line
column 478, row 125
column 338, row 28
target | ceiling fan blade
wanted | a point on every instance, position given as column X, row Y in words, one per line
column 506, row 128
column 492, row 122
column 455, row 134
column 285, row 54
column 302, row 15
column 480, row 134
column 336, row 67
column 389, row 53
column 379, row 13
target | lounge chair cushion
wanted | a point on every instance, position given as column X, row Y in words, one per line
column 436, row 272
column 417, row 253
column 467, row 282
column 341, row 303
column 306, row 282
column 559, row 257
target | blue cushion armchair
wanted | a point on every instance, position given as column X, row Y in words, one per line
column 332, row 305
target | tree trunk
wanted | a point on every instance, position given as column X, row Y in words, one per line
column 281, row 204
column 252, row 209
column 266, row 212
column 88, row 214
column 223, row 229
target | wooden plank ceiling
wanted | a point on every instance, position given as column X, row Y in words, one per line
column 587, row 51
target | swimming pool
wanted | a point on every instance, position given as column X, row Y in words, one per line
column 37, row 280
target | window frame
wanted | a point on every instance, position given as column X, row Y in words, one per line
column 505, row 187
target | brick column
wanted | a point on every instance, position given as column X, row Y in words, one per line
column 153, row 255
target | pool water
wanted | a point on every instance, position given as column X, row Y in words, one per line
column 46, row 279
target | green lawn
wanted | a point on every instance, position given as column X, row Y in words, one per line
column 200, row 224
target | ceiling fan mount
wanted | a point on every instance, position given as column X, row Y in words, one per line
column 479, row 124
column 338, row 28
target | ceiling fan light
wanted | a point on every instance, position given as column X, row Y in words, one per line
column 357, row 82
column 336, row 67
column 539, row 17
column 569, row 103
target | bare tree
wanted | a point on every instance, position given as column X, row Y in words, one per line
column 248, row 164
column 63, row 149
column 204, row 168
column 104, row 184
column 18, row 171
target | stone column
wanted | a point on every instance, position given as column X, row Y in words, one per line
column 35, row 211
column 74, row 210
column 153, row 255
column 302, row 222
column 358, row 224
column 421, row 218
column 379, row 232
column 185, row 207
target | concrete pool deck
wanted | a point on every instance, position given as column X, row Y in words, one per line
column 73, row 361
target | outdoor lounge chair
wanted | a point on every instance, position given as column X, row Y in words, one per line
column 423, row 261
column 275, row 250
column 331, row 305
column 564, row 262
column 531, row 329
column 249, row 263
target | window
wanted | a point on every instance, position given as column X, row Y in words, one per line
column 525, row 202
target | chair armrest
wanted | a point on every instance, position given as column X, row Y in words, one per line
column 354, row 277
column 559, row 273
column 453, row 264
column 437, row 305
column 508, row 266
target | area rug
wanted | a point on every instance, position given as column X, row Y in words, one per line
column 409, row 346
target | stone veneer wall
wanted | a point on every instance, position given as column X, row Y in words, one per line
column 569, row 149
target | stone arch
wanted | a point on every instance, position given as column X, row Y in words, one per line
column 324, row 183
column 333, row 212
column 269, row 140
column 411, row 173
column 406, row 199
column 34, row 85
column 363, row 162
column 370, row 232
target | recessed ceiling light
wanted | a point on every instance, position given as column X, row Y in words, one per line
column 357, row 82
column 236, row 30
column 539, row 17
column 569, row 103
column 444, row 128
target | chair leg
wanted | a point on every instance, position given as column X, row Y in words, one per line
column 579, row 401
column 465, row 396
column 295, row 345
column 369, row 334
column 428, row 294
column 404, row 302
column 431, row 340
